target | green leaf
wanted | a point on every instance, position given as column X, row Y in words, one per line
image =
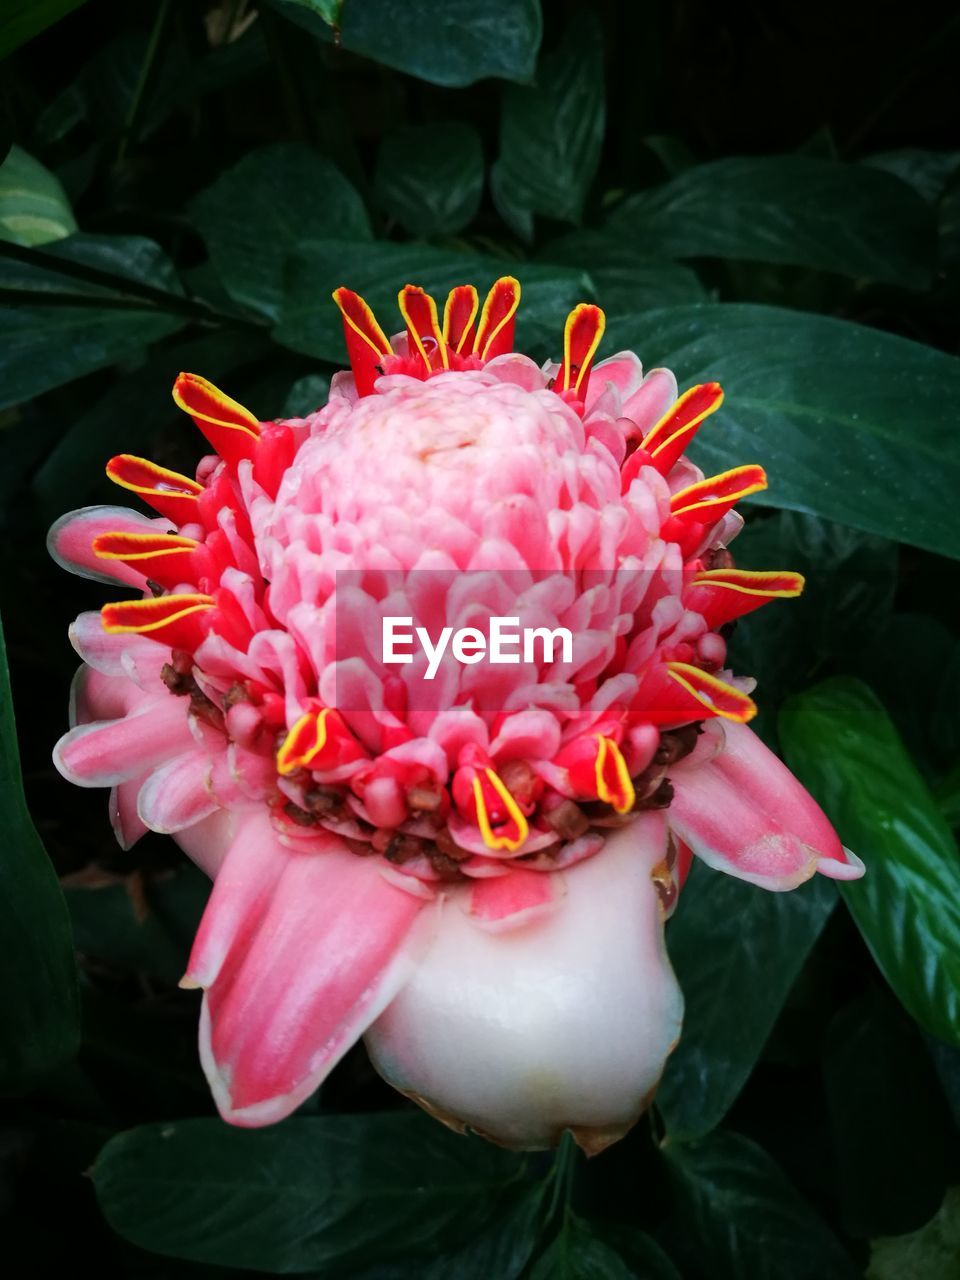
column 21, row 20
column 40, row 1025
column 577, row 1254
column 881, row 1119
column 551, row 134
column 790, row 210
column 850, row 582
column 453, row 44
column 307, row 395
column 258, row 212
column 840, row 742
column 852, row 424
column 430, row 177
column 311, row 323
column 932, row 1253
column 626, row 279
column 303, row 1195
column 63, row 327
column 755, row 932
column 928, row 172
column 736, row 1217
column 33, row 206
column 327, row 11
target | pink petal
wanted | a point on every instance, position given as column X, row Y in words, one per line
column 177, row 795
column 107, row 752
column 70, row 542
column 624, row 370
column 744, row 812
column 329, row 952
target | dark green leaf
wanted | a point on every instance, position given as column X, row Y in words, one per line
column 74, row 326
column 758, row 941
column 306, row 396
column 551, row 133
column 851, row 424
column 737, row 1217
column 792, row 210
column 258, row 212
column 452, row 44
column 39, row 1028
column 303, row 1195
column 850, row 582
column 932, row 1253
column 132, row 416
column 626, row 279
column 577, row 1254
column 928, row 172
column 880, row 1119
column 430, row 177
column 21, row 20
column 840, row 742
column 327, row 11
column 312, row 324
column 33, row 206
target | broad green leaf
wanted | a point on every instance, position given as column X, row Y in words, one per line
column 577, row 1254
column 60, row 328
column 39, row 1028
column 258, row 212
column 851, row 424
column 499, row 1251
column 840, row 742
column 883, row 1188
column 21, row 20
column 729, row 1009
column 453, row 44
column 311, row 323
column 626, row 279
column 736, row 1217
column 850, row 582
column 308, row 1194
column 551, row 133
column 932, row 1253
column 430, row 177
column 328, row 11
column 928, row 172
column 33, row 206
column 792, row 210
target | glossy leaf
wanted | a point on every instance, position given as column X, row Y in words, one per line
column 577, row 1254
column 736, row 1217
column 21, row 20
column 791, row 210
column 39, row 1028
column 62, row 327
column 311, row 323
column 255, row 214
column 304, row 1195
column 928, row 172
column 626, row 280
column 729, row 1009
column 928, row 1254
column 840, row 742
column 430, row 177
column 453, row 44
column 851, row 424
column 551, row 133
column 33, row 205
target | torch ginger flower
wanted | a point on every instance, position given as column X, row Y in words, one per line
column 473, row 873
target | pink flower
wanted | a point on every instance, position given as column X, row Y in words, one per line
column 473, row 870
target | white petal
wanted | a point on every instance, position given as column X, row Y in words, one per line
column 566, row 1023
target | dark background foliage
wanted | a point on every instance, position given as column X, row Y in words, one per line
column 764, row 193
